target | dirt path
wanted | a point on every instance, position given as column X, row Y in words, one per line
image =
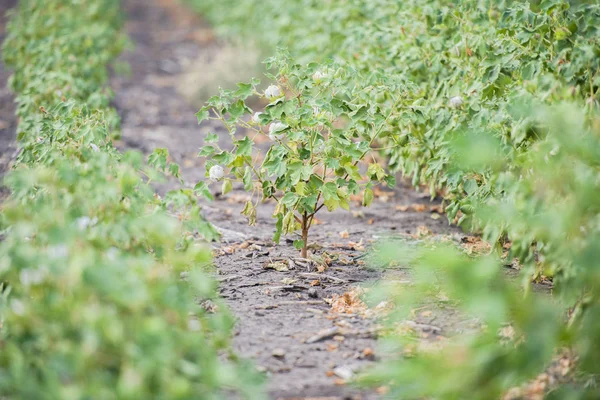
column 279, row 313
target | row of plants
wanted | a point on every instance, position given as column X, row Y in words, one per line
column 105, row 294
column 493, row 106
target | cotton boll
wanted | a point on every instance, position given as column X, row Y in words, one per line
column 256, row 117
column 274, row 128
column 318, row 76
column 216, row 172
column 273, row 91
column 456, row 102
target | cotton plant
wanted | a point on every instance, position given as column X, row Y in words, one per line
column 319, row 134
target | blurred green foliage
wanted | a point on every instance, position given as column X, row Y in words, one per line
column 550, row 202
column 94, row 304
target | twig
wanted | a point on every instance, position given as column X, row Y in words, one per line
column 228, row 278
column 324, row 334
column 315, row 275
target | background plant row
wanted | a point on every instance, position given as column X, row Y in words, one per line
column 92, row 301
column 498, row 113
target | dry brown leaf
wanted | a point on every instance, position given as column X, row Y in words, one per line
column 349, row 302
column 419, row 207
column 316, row 282
column 316, row 221
column 382, row 390
column 475, row 245
column 344, row 234
column 437, row 208
column 356, row 246
column 422, row 231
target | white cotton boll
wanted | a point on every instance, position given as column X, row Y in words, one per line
column 256, row 117
column 216, row 172
column 194, row 325
column 58, row 251
column 318, row 76
column 17, row 307
column 316, row 110
column 112, row 253
column 274, row 128
column 31, row 276
column 456, row 102
column 94, row 147
column 273, row 91
column 83, row 222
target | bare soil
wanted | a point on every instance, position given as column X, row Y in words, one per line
column 279, row 313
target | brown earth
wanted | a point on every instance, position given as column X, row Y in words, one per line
column 277, row 312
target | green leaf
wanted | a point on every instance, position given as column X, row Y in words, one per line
column 206, row 151
column 238, row 109
column 227, row 186
column 244, row 90
column 211, row 138
column 158, row 158
column 203, row 114
column 244, row 147
column 278, row 229
column 248, row 179
column 290, row 199
column 202, row 189
column 298, row 244
column 174, row 170
column 250, row 212
column 368, row 197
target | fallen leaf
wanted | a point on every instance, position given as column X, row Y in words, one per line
column 475, row 245
column 316, row 282
column 344, row 234
column 422, row 231
column 277, row 266
column 349, row 302
column 419, row 207
column 316, row 221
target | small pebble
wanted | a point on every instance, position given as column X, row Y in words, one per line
column 279, row 353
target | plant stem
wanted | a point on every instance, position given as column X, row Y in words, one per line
column 305, row 227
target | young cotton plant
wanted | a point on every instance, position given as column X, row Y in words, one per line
column 317, row 133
